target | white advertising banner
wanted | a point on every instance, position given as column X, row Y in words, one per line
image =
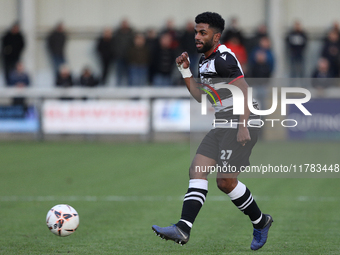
column 171, row 115
column 96, row 117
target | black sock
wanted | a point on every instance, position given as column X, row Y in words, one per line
column 193, row 201
column 246, row 203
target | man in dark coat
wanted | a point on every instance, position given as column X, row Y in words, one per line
column 12, row 45
column 56, row 44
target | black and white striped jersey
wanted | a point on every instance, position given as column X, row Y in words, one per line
column 221, row 66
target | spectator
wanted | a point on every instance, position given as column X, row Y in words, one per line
column 335, row 27
column 105, row 52
column 187, row 43
column 320, row 75
column 296, row 41
column 56, row 41
column 331, row 51
column 138, row 60
column 265, row 47
column 123, row 38
column 19, row 78
column 163, row 61
column 13, row 44
column 87, row 79
column 261, row 70
column 170, row 29
column 151, row 42
column 254, row 41
column 233, row 31
column 239, row 50
column 64, row 77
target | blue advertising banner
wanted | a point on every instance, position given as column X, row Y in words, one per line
column 18, row 119
column 171, row 115
column 323, row 124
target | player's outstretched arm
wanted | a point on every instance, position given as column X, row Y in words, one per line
column 183, row 64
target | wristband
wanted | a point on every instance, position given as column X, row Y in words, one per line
column 186, row 73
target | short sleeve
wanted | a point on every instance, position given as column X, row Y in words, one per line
column 227, row 66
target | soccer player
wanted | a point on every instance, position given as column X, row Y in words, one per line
column 227, row 146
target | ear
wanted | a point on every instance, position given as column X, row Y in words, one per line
column 217, row 37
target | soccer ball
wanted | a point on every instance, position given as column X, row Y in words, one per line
column 62, row 220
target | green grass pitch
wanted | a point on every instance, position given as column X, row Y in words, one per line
column 120, row 190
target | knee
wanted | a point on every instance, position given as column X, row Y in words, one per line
column 226, row 185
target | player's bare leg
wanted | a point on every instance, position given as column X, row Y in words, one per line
column 193, row 201
column 243, row 199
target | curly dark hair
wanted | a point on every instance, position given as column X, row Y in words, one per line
column 213, row 19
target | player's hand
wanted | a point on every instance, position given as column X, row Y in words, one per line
column 243, row 135
column 183, row 59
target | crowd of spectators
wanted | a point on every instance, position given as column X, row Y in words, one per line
column 148, row 58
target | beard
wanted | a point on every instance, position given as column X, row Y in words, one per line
column 206, row 46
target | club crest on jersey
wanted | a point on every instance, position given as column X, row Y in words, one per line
column 207, row 67
column 204, row 67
